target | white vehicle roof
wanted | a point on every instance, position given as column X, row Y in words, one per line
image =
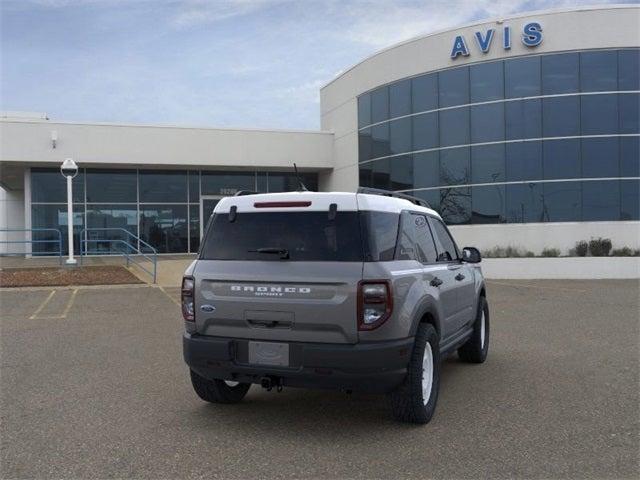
column 318, row 201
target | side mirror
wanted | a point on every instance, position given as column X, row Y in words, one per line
column 471, row 255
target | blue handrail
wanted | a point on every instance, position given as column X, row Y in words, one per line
column 32, row 241
column 129, row 252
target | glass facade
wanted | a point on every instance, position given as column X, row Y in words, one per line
column 162, row 207
column 544, row 138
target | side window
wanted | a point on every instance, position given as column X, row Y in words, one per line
column 415, row 241
column 447, row 250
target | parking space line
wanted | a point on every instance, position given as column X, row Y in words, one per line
column 170, row 297
column 59, row 316
column 42, row 305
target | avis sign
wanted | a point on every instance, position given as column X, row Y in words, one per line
column 531, row 37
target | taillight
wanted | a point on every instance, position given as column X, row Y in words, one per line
column 188, row 308
column 375, row 303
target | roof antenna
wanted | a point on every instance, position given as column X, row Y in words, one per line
column 301, row 186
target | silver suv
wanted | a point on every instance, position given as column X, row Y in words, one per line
column 358, row 291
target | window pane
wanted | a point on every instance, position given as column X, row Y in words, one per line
column 454, row 127
column 522, row 77
column 194, row 186
column 487, row 81
column 561, row 116
column 629, row 70
column 380, row 141
column 194, row 227
column 381, row 174
column 163, row 186
column 415, row 241
column 523, row 119
column 288, row 182
column 400, row 98
column 523, row 161
column 630, row 200
column 599, row 114
column 445, row 245
column 601, row 200
column 630, row 157
column 380, row 105
column 262, row 182
column 599, row 71
column 454, row 87
column 365, row 145
column 560, row 73
column 53, row 216
column 379, row 232
column 425, row 131
column 364, row 110
column 629, row 113
column 454, row 166
column 561, row 159
column 426, row 169
column 164, row 227
column 455, row 205
column 400, row 135
column 487, row 123
column 488, row 204
column 402, row 172
column 562, row 202
column 117, row 186
column 424, row 92
column 365, row 175
column 48, row 185
column 432, row 197
column 227, row 183
column 487, row 164
column 524, row 203
column 600, row 157
column 114, row 218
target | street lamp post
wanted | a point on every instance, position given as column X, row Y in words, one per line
column 69, row 169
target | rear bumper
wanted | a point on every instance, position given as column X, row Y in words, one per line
column 375, row 367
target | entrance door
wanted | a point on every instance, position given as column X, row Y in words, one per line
column 207, row 204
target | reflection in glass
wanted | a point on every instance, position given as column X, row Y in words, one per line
column 165, row 227
column 488, row 204
column 522, row 77
column 630, row 156
column 114, row 218
column 630, row 200
column 364, row 110
column 600, row 157
column 365, row 145
column 432, row 197
column 454, row 127
column 561, row 158
column 487, row 81
column 524, row 203
column 600, row 200
column 194, row 186
column 424, row 92
column 455, row 166
column 487, row 164
column 365, row 175
column 380, row 140
column 381, row 173
column 487, row 123
column 523, row 119
column 54, row 216
column 380, row 104
column 400, row 98
column 163, row 186
column 425, row 131
column 599, row 71
column 426, row 169
column 288, row 182
column 49, row 186
column 599, row 114
column 561, row 202
column 455, row 205
column 523, row 161
column 112, row 186
column 629, row 113
column 453, row 87
column 402, row 172
column 400, row 135
column 194, row 227
column 561, row 116
column 227, row 183
column 560, row 73
column 629, row 69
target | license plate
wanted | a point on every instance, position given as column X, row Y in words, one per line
column 267, row 353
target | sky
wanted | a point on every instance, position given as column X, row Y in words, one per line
column 218, row 63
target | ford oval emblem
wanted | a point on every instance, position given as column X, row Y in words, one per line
column 207, row 308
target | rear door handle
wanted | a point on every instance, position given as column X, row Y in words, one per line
column 459, row 277
column 436, row 282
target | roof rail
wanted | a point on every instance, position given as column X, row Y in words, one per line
column 389, row 193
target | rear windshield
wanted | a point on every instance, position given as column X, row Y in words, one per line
column 296, row 236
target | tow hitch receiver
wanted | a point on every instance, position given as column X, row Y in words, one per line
column 271, row 381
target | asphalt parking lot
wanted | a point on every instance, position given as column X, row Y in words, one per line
column 94, row 386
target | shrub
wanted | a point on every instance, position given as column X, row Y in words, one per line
column 600, row 247
column 625, row 252
column 581, row 248
column 550, row 252
column 507, row 252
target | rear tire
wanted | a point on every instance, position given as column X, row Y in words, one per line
column 477, row 347
column 414, row 401
column 218, row 391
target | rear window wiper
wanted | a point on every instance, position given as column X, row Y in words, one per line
column 283, row 252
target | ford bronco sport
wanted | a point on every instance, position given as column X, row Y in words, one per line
column 358, row 291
